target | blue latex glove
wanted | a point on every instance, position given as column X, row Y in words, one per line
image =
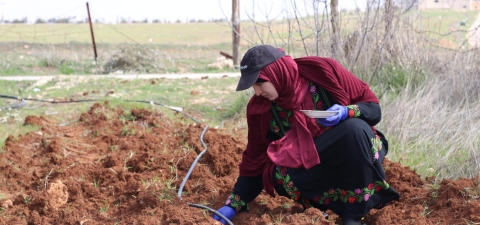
column 225, row 211
column 335, row 119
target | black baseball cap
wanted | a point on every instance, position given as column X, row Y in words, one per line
column 254, row 60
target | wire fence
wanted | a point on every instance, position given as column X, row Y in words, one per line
column 64, row 45
column 361, row 42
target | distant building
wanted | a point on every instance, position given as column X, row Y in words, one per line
column 458, row 5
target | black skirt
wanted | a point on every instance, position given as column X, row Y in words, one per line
column 349, row 180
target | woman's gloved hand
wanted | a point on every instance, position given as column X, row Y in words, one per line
column 226, row 211
column 335, row 119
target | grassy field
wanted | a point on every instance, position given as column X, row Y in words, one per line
column 200, row 34
column 421, row 116
column 67, row 48
column 149, row 34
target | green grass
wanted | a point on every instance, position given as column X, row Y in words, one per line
column 196, row 34
column 13, row 71
column 443, row 20
column 446, row 24
column 209, row 100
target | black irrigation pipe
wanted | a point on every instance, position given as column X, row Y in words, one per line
column 12, row 97
column 188, row 175
column 19, row 105
column 212, row 210
column 193, row 164
column 23, row 103
column 14, row 106
column 47, row 101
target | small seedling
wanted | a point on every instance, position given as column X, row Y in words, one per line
column 125, row 131
column 425, row 211
column 96, row 183
column 114, row 148
column 198, row 184
column 205, row 213
column 27, row 199
column 94, row 134
column 104, row 207
column 277, row 220
column 168, row 183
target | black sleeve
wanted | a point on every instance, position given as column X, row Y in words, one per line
column 245, row 190
column 367, row 111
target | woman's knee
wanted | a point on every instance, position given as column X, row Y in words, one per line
column 354, row 124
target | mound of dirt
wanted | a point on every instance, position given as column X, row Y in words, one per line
column 116, row 167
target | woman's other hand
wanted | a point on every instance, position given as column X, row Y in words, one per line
column 335, row 119
column 226, row 211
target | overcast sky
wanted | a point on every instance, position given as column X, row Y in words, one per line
column 111, row 11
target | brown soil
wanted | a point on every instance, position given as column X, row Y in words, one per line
column 115, row 167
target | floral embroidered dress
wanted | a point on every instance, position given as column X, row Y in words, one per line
column 349, row 180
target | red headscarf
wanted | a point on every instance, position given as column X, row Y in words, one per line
column 291, row 79
column 296, row 149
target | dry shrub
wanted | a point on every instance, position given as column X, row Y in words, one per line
column 137, row 59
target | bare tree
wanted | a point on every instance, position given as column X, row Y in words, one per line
column 300, row 31
column 236, row 32
column 335, row 26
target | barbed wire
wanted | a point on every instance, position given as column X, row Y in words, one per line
column 18, row 34
column 116, row 30
column 66, row 27
column 9, row 32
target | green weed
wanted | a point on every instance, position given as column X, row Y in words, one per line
column 96, row 183
column 104, row 207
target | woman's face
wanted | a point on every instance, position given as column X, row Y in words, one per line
column 266, row 90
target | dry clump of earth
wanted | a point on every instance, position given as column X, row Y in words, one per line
column 118, row 167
